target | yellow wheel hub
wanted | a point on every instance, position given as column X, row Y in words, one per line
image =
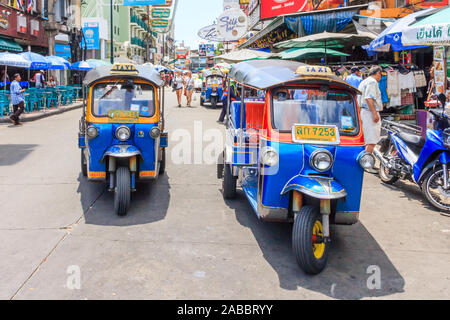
column 318, row 247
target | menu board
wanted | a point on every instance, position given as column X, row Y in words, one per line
column 440, row 70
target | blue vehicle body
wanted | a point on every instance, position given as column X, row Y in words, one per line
column 211, row 93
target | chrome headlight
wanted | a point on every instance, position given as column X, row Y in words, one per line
column 367, row 161
column 321, row 160
column 155, row 132
column 92, row 132
column 123, row 133
column 269, row 156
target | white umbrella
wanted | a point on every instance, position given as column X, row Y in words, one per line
column 244, row 54
column 13, row 60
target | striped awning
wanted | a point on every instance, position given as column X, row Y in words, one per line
column 9, row 45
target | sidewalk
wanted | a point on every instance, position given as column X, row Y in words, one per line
column 35, row 115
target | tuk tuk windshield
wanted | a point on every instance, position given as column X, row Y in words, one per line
column 214, row 81
column 313, row 106
column 118, row 96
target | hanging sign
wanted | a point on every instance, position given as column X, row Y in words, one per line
column 91, row 36
column 438, row 34
column 210, row 33
column 232, row 25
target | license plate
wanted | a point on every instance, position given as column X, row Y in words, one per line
column 121, row 116
column 320, row 134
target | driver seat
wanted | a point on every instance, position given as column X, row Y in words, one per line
column 413, row 141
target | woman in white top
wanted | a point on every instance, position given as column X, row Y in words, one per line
column 189, row 86
column 178, row 86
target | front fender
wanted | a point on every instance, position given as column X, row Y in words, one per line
column 316, row 187
column 121, row 151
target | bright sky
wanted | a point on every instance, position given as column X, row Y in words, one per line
column 191, row 16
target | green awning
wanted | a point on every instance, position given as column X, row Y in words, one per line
column 305, row 53
column 9, row 45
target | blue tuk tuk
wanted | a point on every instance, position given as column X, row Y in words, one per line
column 212, row 88
column 299, row 154
column 121, row 135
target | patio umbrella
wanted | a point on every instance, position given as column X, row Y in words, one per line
column 58, row 63
column 13, row 60
column 305, row 53
column 81, row 66
column 391, row 37
column 431, row 30
column 328, row 40
column 37, row 61
column 243, row 55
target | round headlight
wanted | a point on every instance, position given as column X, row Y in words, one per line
column 123, row 133
column 92, row 132
column 367, row 161
column 155, row 132
column 321, row 160
column 269, row 156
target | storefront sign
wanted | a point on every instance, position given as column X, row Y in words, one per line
column 210, row 33
column 273, row 37
column 4, row 17
column 143, row 2
column 254, row 18
column 440, row 70
column 34, row 25
column 427, row 35
column 21, row 24
column 158, row 13
column 91, row 35
column 231, row 4
column 232, row 25
column 273, row 8
column 62, row 50
column 252, row 5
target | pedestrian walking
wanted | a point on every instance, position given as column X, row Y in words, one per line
column 189, row 87
column 234, row 96
column 370, row 103
column 177, row 85
column 17, row 99
column 354, row 79
column 38, row 79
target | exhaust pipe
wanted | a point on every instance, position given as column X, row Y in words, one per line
column 381, row 158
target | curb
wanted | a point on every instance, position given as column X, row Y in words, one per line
column 33, row 117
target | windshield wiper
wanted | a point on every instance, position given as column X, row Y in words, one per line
column 114, row 87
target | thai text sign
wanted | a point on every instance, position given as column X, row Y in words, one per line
column 438, row 34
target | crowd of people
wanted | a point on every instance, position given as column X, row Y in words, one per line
column 181, row 83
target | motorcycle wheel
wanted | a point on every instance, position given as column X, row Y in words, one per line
column 432, row 188
column 83, row 164
column 384, row 174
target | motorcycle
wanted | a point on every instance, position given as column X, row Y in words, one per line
column 408, row 156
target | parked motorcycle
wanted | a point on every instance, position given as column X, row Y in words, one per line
column 423, row 161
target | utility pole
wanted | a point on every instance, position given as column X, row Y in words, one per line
column 112, row 37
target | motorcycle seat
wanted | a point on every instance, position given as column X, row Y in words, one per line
column 413, row 141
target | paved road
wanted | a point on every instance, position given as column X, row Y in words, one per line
column 182, row 240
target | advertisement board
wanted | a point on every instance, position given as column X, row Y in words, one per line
column 210, row 50
column 232, row 24
column 91, row 35
column 273, row 8
column 202, row 50
column 143, row 2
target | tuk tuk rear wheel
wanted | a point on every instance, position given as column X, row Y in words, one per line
column 202, row 102
column 228, row 183
column 213, row 102
column 83, row 164
column 310, row 248
column 162, row 164
column 122, row 192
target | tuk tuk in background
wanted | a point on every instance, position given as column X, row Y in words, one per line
column 212, row 88
column 121, row 137
column 299, row 154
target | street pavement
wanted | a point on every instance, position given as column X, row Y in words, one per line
column 181, row 240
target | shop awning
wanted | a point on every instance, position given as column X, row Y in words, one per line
column 9, row 45
column 277, row 22
column 307, row 53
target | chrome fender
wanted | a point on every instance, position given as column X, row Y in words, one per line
column 316, row 187
column 121, row 151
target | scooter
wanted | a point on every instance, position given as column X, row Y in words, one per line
column 423, row 161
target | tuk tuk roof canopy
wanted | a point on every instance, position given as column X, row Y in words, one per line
column 104, row 72
column 264, row 74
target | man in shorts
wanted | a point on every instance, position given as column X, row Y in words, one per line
column 371, row 104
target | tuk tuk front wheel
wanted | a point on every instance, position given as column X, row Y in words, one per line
column 308, row 243
column 228, row 183
column 202, row 102
column 122, row 192
column 83, row 164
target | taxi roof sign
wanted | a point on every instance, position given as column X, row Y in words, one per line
column 314, row 71
column 124, row 68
